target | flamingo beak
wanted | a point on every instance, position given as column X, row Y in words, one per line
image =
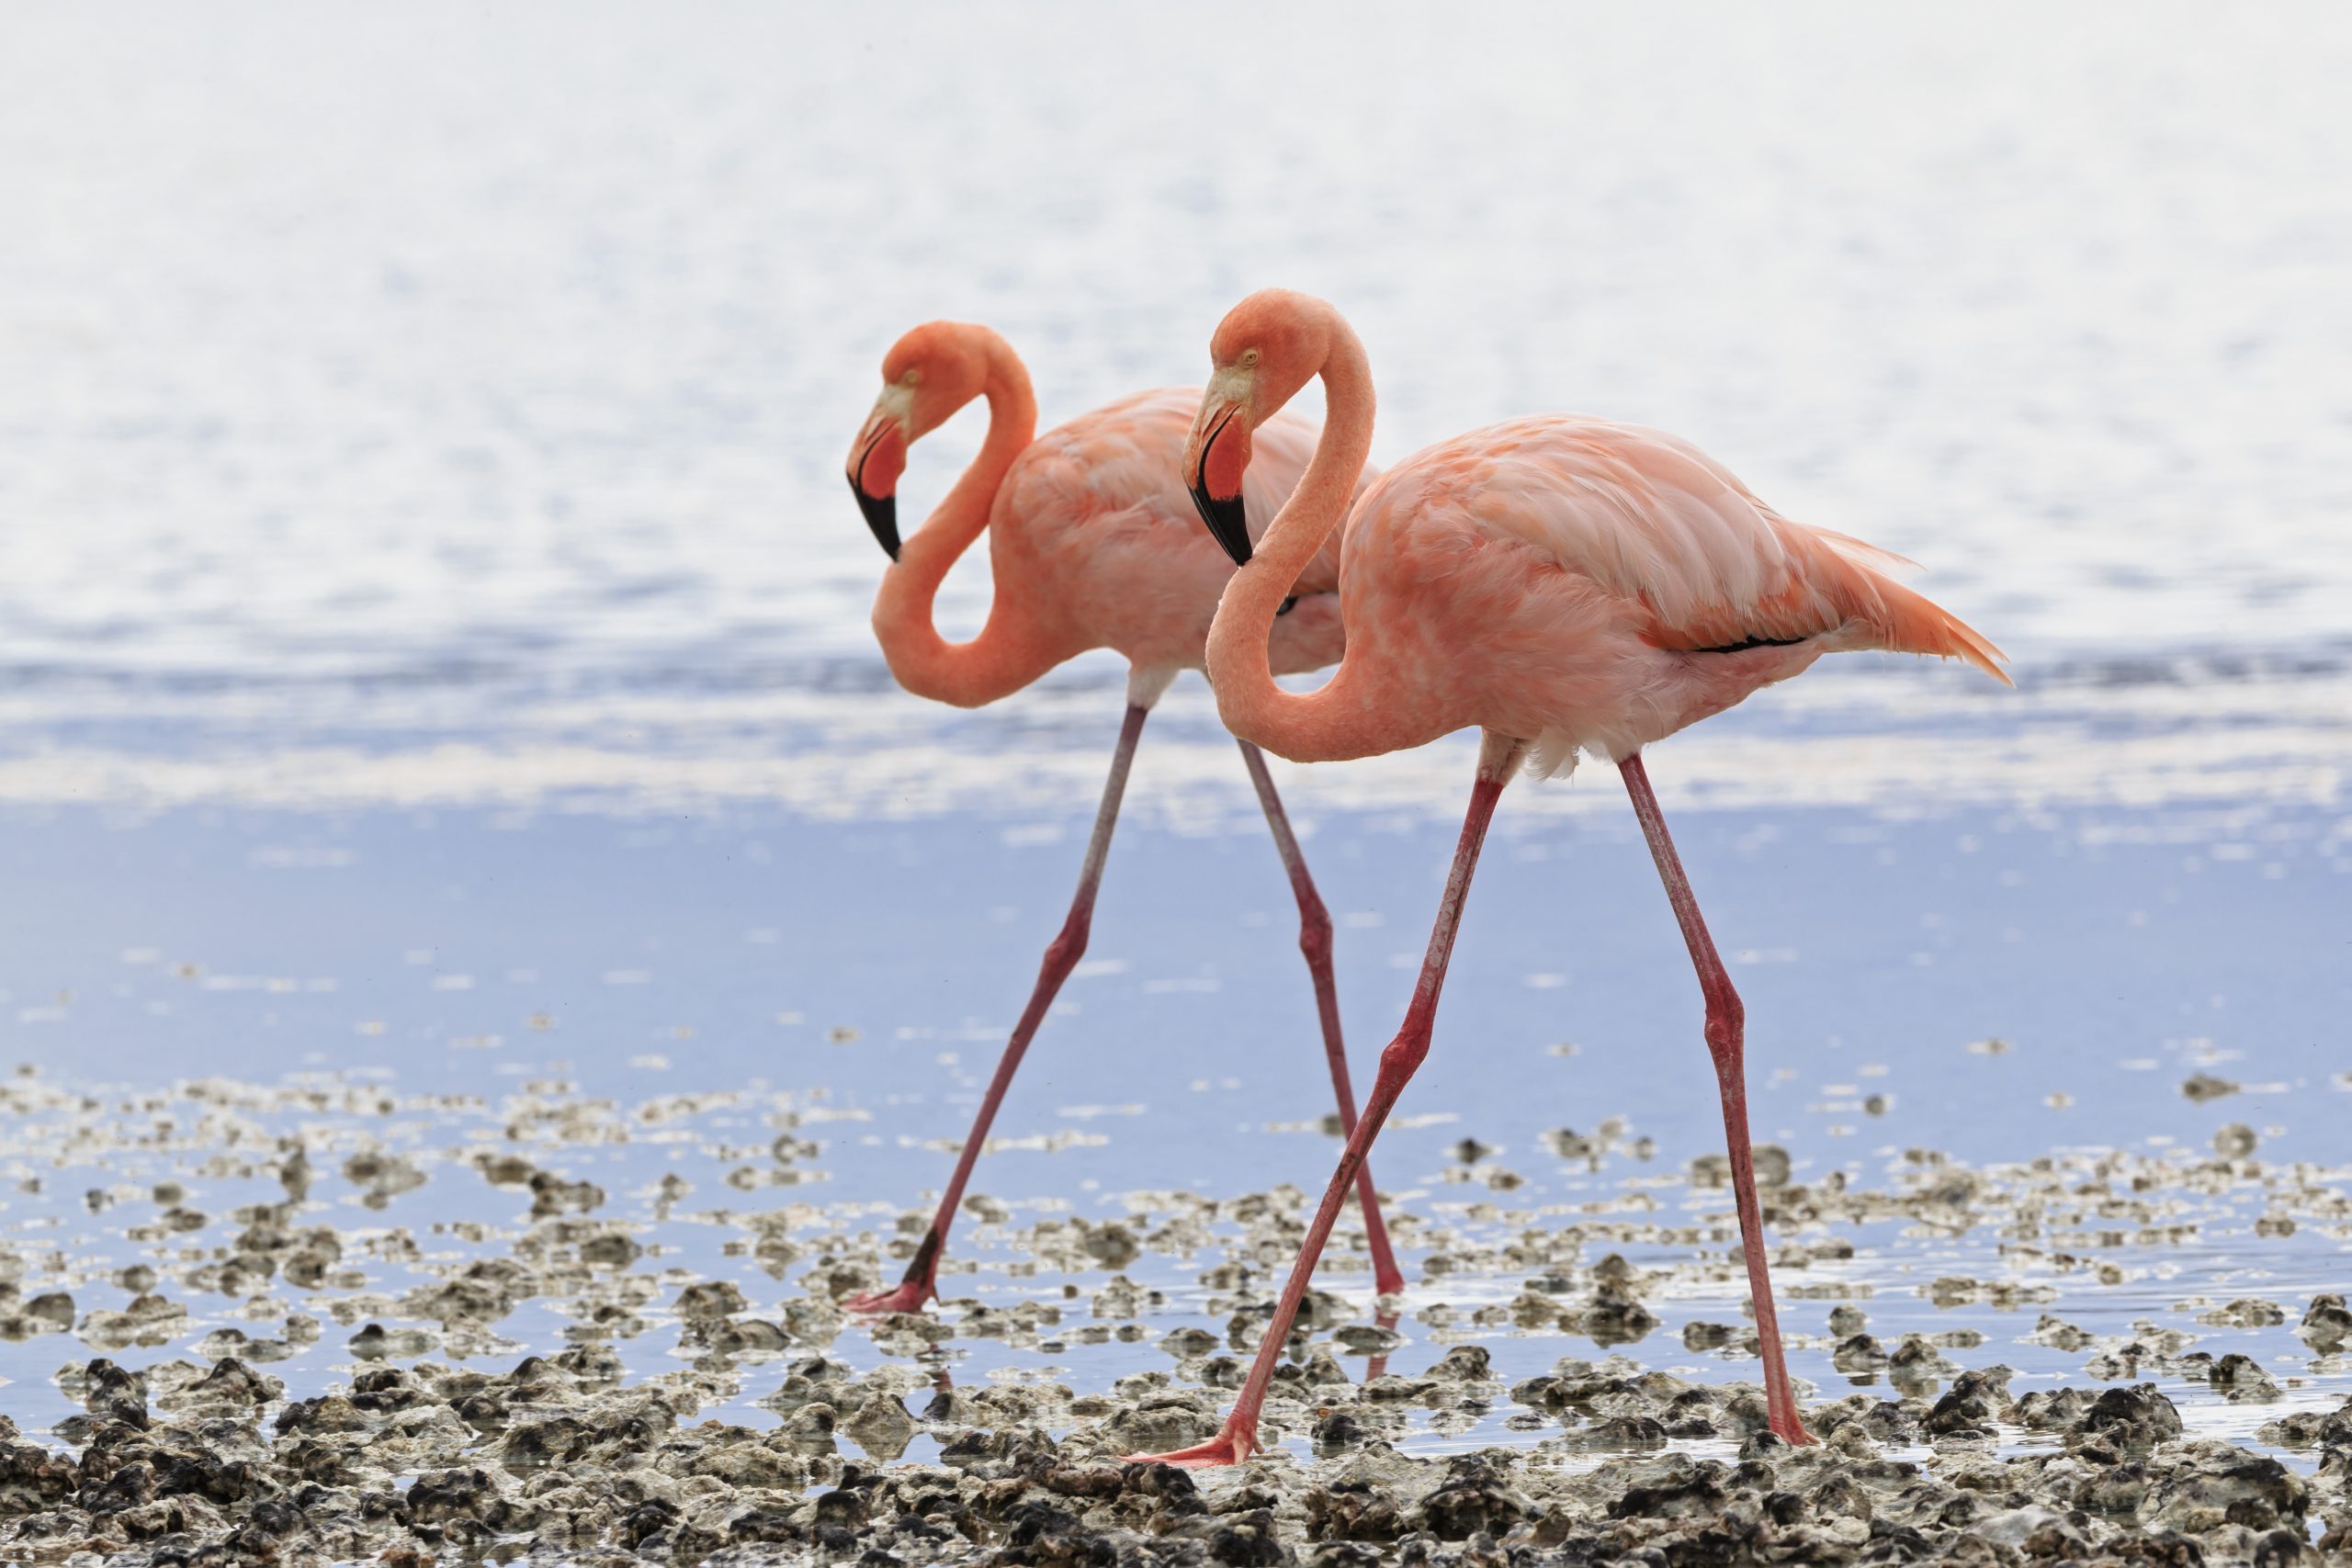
column 882, row 516
column 876, row 460
column 1214, row 460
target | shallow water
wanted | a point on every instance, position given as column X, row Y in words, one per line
column 435, row 661
column 1985, row 988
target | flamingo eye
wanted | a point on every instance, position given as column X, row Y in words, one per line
column 1249, row 356
column 914, row 378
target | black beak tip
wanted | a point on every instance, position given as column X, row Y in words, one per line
column 1226, row 522
column 881, row 515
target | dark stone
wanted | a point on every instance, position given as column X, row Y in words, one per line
column 382, row 1389
column 1630, row 1432
column 114, row 1395
column 1041, row 1533
column 32, row 1477
column 1465, row 1364
column 766, row 1525
column 202, row 1475
column 2166, row 1550
column 1351, row 1511
column 2139, row 1415
column 1336, row 1431
column 2279, row 1549
column 1100, row 1482
column 1470, row 1505
column 131, row 1486
column 1341, row 1554
column 647, row 1521
column 450, row 1495
column 1683, row 1491
column 483, row 1410
column 1248, row 1540
column 1969, row 1409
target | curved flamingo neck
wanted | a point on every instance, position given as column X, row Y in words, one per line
column 1336, row 721
column 1013, row 649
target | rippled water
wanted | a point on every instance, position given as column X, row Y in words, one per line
column 424, row 370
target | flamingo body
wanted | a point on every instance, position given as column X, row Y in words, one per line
column 1095, row 525
column 1592, row 586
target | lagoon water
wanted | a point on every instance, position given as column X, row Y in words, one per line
column 435, row 647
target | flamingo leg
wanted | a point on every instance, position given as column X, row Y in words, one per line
column 1238, row 1439
column 1375, row 1366
column 1315, row 941
column 1725, row 1030
column 922, row 1281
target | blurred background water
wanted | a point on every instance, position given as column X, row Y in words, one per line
column 393, row 377
column 421, row 531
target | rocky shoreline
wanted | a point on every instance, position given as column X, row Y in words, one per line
column 451, row 1430
column 555, row 1460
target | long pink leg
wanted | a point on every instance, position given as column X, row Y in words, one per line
column 1238, row 1439
column 1315, row 941
column 922, row 1281
column 1727, row 1026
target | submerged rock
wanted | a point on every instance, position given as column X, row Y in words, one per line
column 2326, row 1325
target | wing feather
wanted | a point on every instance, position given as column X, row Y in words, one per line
column 1651, row 519
column 1125, row 458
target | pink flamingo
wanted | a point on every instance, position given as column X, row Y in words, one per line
column 1094, row 544
column 1564, row 583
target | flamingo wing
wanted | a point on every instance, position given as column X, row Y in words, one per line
column 1122, row 462
column 1652, row 520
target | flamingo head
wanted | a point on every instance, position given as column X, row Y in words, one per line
column 927, row 376
column 1264, row 352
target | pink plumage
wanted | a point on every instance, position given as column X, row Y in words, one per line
column 1094, row 520
column 1597, row 570
column 1093, row 544
column 1092, row 541
column 1563, row 583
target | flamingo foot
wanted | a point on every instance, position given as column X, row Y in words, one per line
column 1389, row 1281
column 1233, row 1445
column 907, row 1295
column 1789, row 1429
